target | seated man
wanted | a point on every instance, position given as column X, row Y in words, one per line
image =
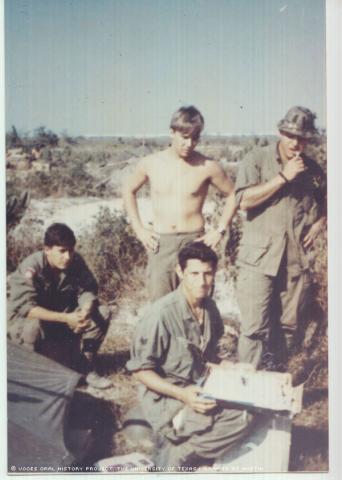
column 171, row 348
column 53, row 301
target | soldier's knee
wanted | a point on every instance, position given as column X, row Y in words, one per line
column 25, row 332
column 31, row 331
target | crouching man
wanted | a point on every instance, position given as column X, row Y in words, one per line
column 172, row 345
column 53, row 306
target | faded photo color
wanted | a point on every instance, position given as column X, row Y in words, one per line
column 97, row 139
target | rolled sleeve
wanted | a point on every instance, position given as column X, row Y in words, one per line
column 248, row 176
column 149, row 343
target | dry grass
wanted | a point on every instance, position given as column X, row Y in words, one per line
column 113, row 247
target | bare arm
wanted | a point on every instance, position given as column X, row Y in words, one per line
column 77, row 321
column 223, row 183
column 258, row 194
column 220, row 180
column 188, row 395
column 314, row 230
column 130, row 188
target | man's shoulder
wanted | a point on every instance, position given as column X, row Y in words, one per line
column 29, row 268
column 158, row 313
column 205, row 160
column 210, row 302
column 210, row 165
column 211, row 307
column 78, row 258
column 35, row 260
column 165, row 304
column 78, row 262
column 150, row 159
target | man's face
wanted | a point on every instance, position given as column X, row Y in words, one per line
column 184, row 143
column 59, row 257
column 291, row 145
column 197, row 279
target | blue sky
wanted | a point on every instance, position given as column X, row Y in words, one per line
column 121, row 67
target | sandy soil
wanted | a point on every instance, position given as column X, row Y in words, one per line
column 79, row 213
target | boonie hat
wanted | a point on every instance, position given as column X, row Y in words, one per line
column 299, row 121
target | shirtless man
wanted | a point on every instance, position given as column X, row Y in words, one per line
column 179, row 178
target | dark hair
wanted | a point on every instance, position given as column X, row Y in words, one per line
column 198, row 251
column 187, row 120
column 59, row 234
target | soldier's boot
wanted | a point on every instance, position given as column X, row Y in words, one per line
column 137, row 431
column 92, row 378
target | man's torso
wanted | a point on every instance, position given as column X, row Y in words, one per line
column 180, row 348
column 178, row 190
column 282, row 221
column 34, row 282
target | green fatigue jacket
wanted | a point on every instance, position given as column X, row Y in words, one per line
column 169, row 341
column 33, row 284
column 283, row 220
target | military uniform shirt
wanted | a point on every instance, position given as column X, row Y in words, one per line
column 279, row 224
column 34, row 284
column 169, row 341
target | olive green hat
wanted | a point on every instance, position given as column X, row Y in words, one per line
column 299, row 121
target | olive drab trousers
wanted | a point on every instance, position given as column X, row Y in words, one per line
column 267, row 303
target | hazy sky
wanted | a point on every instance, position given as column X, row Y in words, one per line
column 107, row 67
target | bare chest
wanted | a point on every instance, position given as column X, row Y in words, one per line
column 184, row 181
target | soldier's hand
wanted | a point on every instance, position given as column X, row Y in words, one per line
column 149, row 239
column 191, row 396
column 76, row 321
column 294, row 167
column 211, row 238
column 309, row 238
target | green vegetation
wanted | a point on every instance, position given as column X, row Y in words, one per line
column 94, row 167
column 114, row 254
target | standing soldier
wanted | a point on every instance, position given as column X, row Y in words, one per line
column 179, row 178
column 53, row 301
column 283, row 192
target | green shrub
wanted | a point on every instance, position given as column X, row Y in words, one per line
column 25, row 239
column 114, row 255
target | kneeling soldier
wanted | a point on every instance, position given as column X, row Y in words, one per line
column 53, row 301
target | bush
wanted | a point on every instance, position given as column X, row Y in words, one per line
column 320, row 271
column 114, row 255
column 25, row 239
